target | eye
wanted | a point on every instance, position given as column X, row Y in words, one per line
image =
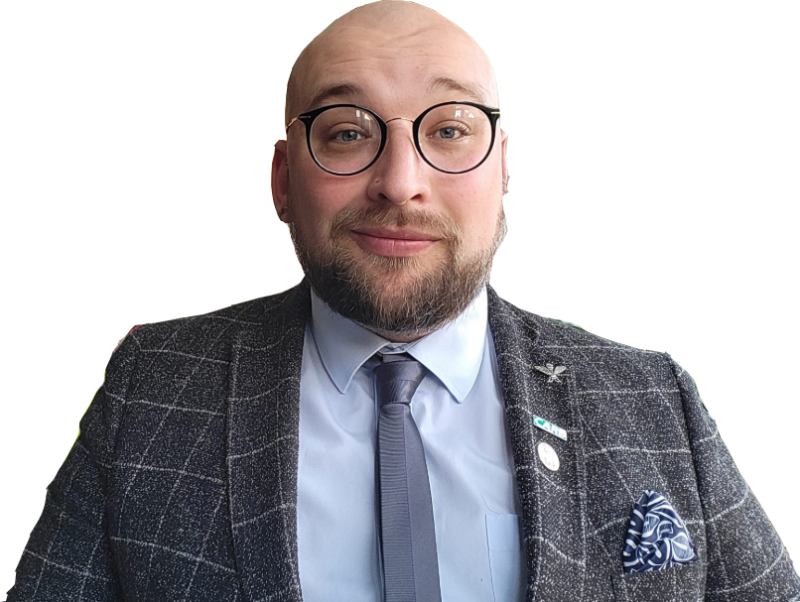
column 452, row 131
column 347, row 136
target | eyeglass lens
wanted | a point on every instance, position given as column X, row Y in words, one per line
column 452, row 137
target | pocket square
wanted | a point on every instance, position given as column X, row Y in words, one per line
column 657, row 537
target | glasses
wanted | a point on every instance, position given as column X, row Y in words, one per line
column 453, row 137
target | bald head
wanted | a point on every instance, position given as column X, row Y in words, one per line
column 388, row 40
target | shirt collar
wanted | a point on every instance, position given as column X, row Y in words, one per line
column 453, row 353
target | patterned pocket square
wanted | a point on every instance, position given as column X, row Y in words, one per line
column 657, row 537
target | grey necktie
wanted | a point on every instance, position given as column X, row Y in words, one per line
column 408, row 537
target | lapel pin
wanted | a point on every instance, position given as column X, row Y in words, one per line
column 548, row 456
column 551, row 371
column 549, row 427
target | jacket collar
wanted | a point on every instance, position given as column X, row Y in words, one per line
column 263, row 431
column 452, row 353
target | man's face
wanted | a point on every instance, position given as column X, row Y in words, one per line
column 401, row 247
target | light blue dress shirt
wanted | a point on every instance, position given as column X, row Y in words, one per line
column 458, row 409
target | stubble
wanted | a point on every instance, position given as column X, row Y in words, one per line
column 395, row 297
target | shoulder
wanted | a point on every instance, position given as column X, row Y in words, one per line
column 210, row 334
column 597, row 362
column 555, row 334
column 159, row 360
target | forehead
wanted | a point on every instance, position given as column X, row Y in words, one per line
column 405, row 69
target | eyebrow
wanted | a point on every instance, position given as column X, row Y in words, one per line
column 479, row 94
column 328, row 92
column 437, row 84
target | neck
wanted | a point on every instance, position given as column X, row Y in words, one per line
column 399, row 337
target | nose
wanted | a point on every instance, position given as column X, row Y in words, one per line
column 399, row 175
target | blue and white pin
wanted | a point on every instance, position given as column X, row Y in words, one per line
column 547, row 454
column 549, row 427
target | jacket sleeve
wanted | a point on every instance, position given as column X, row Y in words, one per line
column 746, row 559
column 68, row 556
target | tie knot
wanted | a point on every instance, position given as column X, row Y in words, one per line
column 397, row 378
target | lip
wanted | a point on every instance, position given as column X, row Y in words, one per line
column 401, row 242
column 395, row 233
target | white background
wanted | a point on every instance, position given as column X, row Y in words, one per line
column 654, row 152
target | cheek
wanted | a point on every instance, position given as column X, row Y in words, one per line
column 316, row 196
column 306, row 184
column 475, row 204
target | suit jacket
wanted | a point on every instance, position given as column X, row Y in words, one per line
column 182, row 485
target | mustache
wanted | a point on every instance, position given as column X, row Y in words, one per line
column 352, row 218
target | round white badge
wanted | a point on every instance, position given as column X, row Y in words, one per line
column 548, row 456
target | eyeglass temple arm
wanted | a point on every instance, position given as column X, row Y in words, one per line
column 288, row 125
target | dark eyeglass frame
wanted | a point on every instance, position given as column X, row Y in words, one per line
column 308, row 119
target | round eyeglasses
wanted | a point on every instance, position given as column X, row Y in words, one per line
column 453, row 137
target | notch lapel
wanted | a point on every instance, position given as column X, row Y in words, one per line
column 553, row 502
column 263, row 439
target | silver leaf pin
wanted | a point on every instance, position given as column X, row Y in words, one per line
column 551, row 371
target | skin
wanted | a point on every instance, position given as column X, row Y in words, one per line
column 397, row 58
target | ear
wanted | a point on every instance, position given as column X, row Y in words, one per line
column 504, row 147
column 280, row 182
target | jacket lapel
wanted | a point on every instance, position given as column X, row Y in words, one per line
column 553, row 502
column 263, row 431
column 263, row 423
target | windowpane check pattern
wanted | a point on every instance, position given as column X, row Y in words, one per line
column 183, row 483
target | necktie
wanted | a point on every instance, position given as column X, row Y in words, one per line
column 408, row 538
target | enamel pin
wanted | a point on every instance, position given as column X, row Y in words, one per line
column 548, row 426
column 548, row 456
column 551, row 371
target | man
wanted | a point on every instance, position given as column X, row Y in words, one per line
column 245, row 454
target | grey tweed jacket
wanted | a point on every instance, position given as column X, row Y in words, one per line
column 182, row 485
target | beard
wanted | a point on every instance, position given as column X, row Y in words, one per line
column 395, row 297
